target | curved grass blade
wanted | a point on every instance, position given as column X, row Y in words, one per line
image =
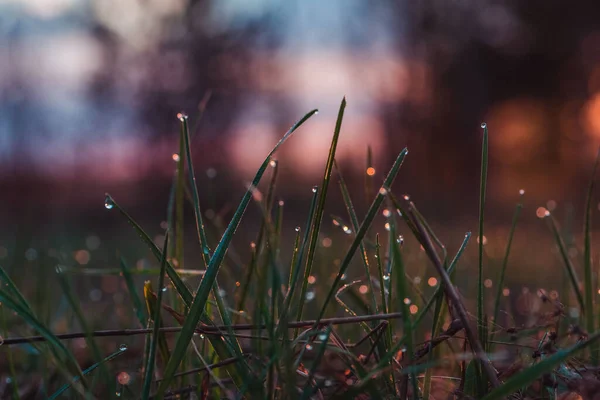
column 528, row 375
column 66, row 386
column 364, row 227
column 316, row 226
column 13, row 290
column 355, row 226
column 567, row 261
column 150, row 362
column 500, row 281
column 199, row 302
column 588, row 278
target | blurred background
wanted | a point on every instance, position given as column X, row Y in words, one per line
column 90, row 89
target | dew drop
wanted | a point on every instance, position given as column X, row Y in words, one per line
column 281, row 203
column 108, row 202
column 297, row 229
column 406, row 197
column 314, row 189
column 123, row 347
column 164, row 289
column 346, row 230
column 522, row 192
column 273, row 163
column 316, row 112
column 175, row 157
column 383, row 191
column 310, row 296
column 386, row 277
column 400, row 239
column 322, row 337
column 483, row 125
column 182, row 116
column 387, row 226
column 118, row 394
column 309, row 347
column 386, row 213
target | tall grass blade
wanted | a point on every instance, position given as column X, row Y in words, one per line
column 86, row 372
column 502, row 273
column 150, row 362
column 572, row 274
column 547, row 365
column 482, row 189
column 316, row 226
column 355, row 227
column 201, row 296
column 364, row 227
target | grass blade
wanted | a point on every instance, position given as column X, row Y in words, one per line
column 500, row 280
column 316, row 226
column 364, row 227
column 138, row 306
column 567, row 261
column 482, row 188
column 150, row 362
column 199, row 302
column 86, row 372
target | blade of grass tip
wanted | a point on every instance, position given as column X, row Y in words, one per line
column 199, row 302
column 138, row 306
column 565, row 257
column 456, row 302
column 86, row 372
column 150, row 362
column 355, row 226
column 89, row 338
column 588, row 277
column 295, row 272
column 482, row 188
column 316, row 226
column 308, row 389
column 364, row 227
column 502, row 273
column 402, row 296
column 547, row 365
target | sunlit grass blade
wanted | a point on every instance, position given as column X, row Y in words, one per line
column 588, row 277
column 355, row 227
column 86, row 372
column 502, row 272
column 201, row 296
column 482, row 189
column 533, row 372
column 150, row 362
column 138, row 306
column 572, row 274
column 364, row 227
column 316, row 225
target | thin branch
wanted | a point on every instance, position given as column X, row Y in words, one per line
column 208, row 330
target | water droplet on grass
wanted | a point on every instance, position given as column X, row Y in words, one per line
column 182, row 116
column 522, row 192
column 175, row 157
column 297, row 229
column 273, row 163
column 108, row 202
column 406, row 197
column 314, row 189
column 383, row 191
column 123, row 347
column 483, row 125
column 346, row 230
column 309, row 296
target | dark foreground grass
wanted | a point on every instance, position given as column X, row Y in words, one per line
column 391, row 337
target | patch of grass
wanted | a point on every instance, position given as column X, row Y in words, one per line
column 266, row 328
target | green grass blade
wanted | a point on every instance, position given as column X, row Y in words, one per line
column 364, row 227
column 547, row 365
column 138, row 305
column 179, row 201
column 355, row 227
column 150, row 362
column 13, row 290
column 567, row 261
column 199, row 302
column 316, row 226
column 588, row 277
column 86, row 372
column 482, row 189
column 502, row 273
